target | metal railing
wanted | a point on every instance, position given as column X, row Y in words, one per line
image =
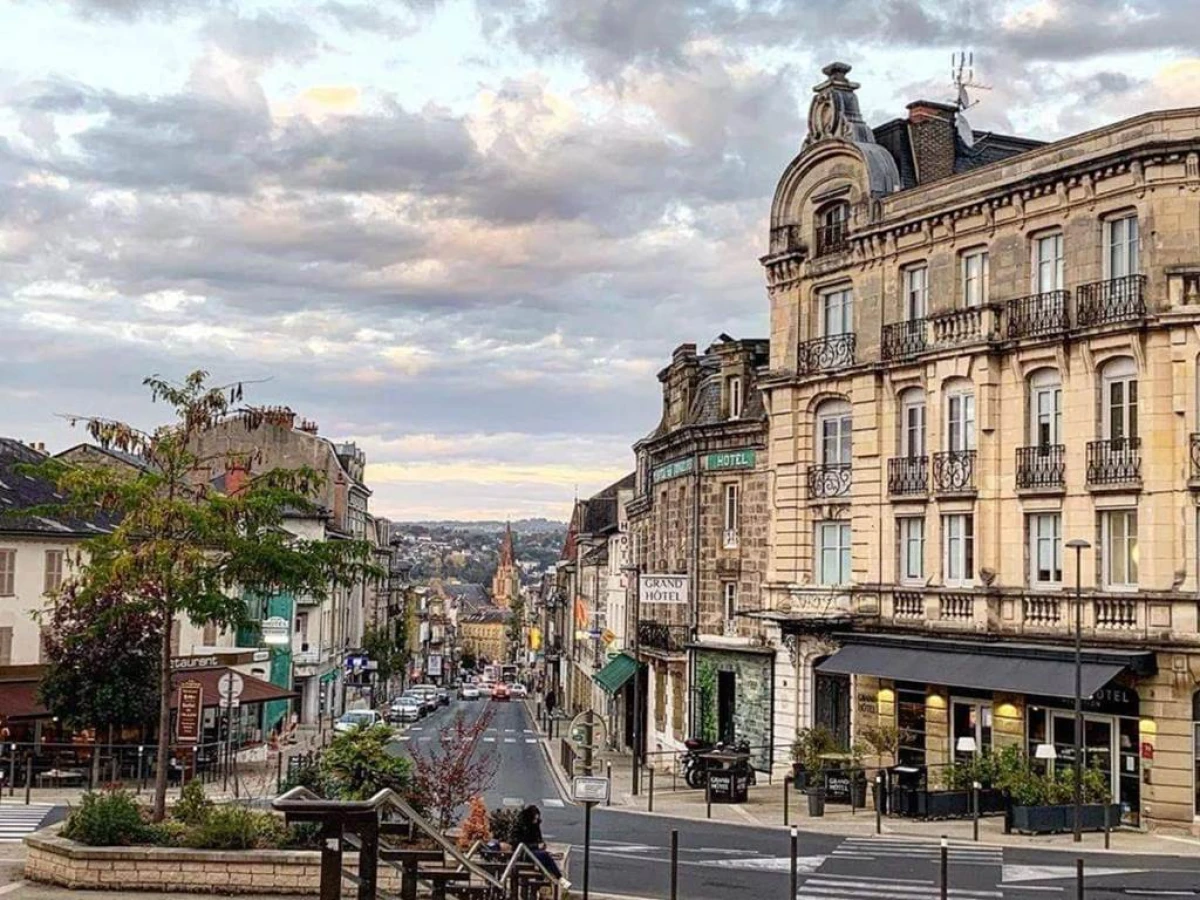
column 1114, row 462
column 826, row 353
column 833, row 238
column 902, row 340
column 1114, row 300
column 1043, row 466
column 829, row 480
column 662, row 636
column 954, row 471
column 1038, row 314
column 908, row 475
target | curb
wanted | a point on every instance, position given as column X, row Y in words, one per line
column 556, row 775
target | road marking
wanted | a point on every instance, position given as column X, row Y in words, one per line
column 514, row 801
column 531, row 740
column 489, row 740
column 528, row 731
column 18, row 821
column 510, row 740
column 404, row 737
column 553, row 803
column 509, row 730
column 1014, row 874
column 9, row 888
column 835, row 887
column 417, row 728
column 804, row 864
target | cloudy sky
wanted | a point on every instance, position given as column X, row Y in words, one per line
column 464, row 233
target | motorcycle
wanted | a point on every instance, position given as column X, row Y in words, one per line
column 695, row 767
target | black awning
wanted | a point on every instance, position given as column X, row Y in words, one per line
column 1020, row 668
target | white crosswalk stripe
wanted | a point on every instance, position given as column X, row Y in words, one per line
column 553, row 803
column 16, row 821
column 510, row 740
column 864, row 887
column 531, row 740
column 957, row 853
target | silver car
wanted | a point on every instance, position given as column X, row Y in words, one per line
column 405, row 709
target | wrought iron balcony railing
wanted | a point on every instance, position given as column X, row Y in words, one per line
column 1115, row 300
column 960, row 326
column 826, row 353
column 1043, row 466
column 829, row 480
column 908, row 475
column 1114, row 462
column 833, row 238
column 902, row 340
column 661, row 636
column 1038, row 314
column 954, row 471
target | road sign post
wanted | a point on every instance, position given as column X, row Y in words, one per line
column 589, row 790
column 229, row 686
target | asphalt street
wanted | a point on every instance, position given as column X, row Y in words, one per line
column 630, row 853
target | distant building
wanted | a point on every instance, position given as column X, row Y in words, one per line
column 483, row 634
column 506, row 583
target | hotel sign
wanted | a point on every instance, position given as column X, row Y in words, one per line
column 663, row 589
column 674, row 469
column 730, row 459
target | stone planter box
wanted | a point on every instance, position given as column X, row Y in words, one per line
column 1055, row 819
column 55, row 860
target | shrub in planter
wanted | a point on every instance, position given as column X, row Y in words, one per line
column 501, row 822
column 192, row 807
column 236, row 828
column 107, row 819
column 807, row 749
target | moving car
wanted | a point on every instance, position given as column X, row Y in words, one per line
column 427, row 693
column 518, row 691
column 406, row 709
column 468, row 692
column 443, row 697
column 357, row 718
column 500, row 692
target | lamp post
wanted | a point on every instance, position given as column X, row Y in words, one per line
column 1078, row 545
column 636, row 580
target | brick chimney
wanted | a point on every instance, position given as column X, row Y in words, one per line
column 931, row 132
column 237, row 473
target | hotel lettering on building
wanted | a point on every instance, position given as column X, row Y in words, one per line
column 983, row 347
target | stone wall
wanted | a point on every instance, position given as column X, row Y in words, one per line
column 752, row 708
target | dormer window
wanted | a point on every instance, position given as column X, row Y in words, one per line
column 733, row 387
column 833, row 225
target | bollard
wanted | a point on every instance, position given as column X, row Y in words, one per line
column 608, row 773
column 1107, row 824
column 279, row 772
column 878, row 804
column 674, row 864
column 1079, row 878
column 650, row 799
column 853, row 785
column 708, row 797
column 794, row 881
column 787, row 783
column 975, row 786
column 141, row 770
column 12, row 770
column 945, row 888
column 28, row 777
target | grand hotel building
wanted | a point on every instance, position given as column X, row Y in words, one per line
column 983, row 347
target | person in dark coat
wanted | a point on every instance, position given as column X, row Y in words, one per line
column 551, row 702
column 527, row 830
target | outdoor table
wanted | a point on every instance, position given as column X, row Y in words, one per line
column 728, row 775
column 60, row 776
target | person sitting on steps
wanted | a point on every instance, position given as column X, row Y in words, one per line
column 527, row 830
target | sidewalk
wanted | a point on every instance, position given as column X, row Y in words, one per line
column 765, row 808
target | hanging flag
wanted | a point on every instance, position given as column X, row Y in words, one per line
column 581, row 615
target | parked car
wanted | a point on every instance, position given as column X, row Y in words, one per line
column 468, row 692
column 357, row 718
column 428, row 693
column 443, row 697
column 500, row 692
column 406, row 709
column 518, row 691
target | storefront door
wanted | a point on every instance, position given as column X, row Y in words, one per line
column 832, row 704
column 973, row 719
column 1102, row 736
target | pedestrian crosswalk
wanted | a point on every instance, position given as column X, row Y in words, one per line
column 886, row 847
column 520, row 802
column 864, row 887
column 16, row 821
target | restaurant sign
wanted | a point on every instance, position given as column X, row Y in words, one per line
column 674, row 469
column 191, row 704
column 730, row 459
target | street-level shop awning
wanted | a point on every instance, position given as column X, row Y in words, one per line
column 1020, row 668
column 254, row 690
column 614, row 675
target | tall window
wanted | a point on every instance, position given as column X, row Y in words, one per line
column 975, row 276
column 1045, row 550
column 958, row 550
column 1119, row 533
column 916, row 292
column 960, row 419
column 734, row 388
column 1045, row 408
column 912, row 423
column 834, row 426
column 1120, row 400
column 833, row 553
column 53, row 576
column 729, row 597
column 731, row 509
column 912, row 549
column 837, row 312
column 8, row 563
column 833, row 223
column 1048, row 263
column 1121, row 247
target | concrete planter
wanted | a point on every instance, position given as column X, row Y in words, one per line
column 52, row 859
column 1055, row 819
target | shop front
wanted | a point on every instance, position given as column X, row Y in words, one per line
column 950, row 700
column 734, row 697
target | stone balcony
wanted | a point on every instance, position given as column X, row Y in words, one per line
column 1107, row 616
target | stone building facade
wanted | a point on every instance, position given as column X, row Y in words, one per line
column 483, row 634
column 981, row 349
column 700, row 512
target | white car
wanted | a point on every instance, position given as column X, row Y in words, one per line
column 405, row 709
column 357, row 718
column 468, row 692
column 518, row 691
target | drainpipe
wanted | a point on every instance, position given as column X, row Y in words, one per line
column 695, row 604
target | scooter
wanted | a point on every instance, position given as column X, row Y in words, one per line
column 695, row 770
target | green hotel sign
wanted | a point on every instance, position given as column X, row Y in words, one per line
column 674, row 469
column 730, row 459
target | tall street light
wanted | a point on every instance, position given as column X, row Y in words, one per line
column 636, row 573
column 1078, row 545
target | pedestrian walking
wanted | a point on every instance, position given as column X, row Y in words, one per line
column 551, row 702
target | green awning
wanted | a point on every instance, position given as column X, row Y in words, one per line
column 614, row 675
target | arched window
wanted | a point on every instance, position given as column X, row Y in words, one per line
column 1045, row 409
column 832, row 227
column 1119, row 401
column 834, row 425
column 912, row 423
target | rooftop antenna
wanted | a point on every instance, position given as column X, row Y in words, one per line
column 962, row 76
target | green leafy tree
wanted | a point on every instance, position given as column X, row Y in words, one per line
column 516, row 635
column 386, row 649
column 183, row 548
column 360, row 763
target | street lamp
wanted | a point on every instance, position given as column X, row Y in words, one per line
column 637, row 677
column 1078, row 545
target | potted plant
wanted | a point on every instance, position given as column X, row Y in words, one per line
column 1044, row 804
column 807, row 748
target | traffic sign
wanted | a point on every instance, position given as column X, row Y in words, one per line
column 230, row 685
column 590, row 788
